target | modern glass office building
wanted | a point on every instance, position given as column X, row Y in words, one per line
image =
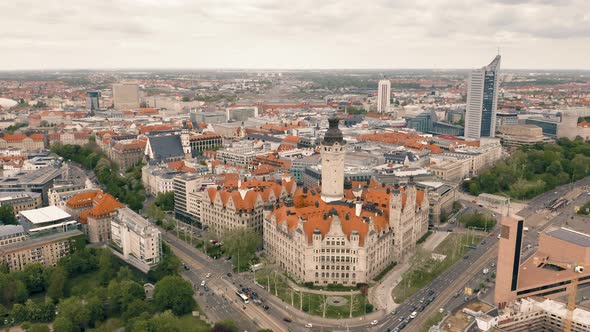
column 482, row 101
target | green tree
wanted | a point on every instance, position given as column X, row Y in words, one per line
column 225, row 326
column 164, row 322
column 63, row 324
column 34, row 278
column 19, row 312
column 7, row 216
column 57, row 282
column 165, row 201
column 136, row 308
column 241, row 244
column 174, row 293
column 75, row 311
column 96, row 310
column 12, row 290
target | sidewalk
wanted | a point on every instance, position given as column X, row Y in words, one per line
column 381, row 294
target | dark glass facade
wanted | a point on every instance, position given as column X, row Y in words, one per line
column 488, row 103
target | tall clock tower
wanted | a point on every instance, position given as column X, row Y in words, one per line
column 332, row 152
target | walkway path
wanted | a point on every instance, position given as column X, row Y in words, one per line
column 381, row 294
column 434, row 240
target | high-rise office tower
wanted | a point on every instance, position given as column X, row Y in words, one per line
column 383, row 96
column 126, row 95
column 482, row 101
column 92, row 103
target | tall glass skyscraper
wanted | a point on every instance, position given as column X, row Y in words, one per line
column 92, row 103
column 482, row 101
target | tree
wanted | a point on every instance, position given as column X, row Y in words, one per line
column 164, row 322
column 7, row 215
column 12, row 290
column 241, row 245
column 19, row 312
column 63, row 324
column 106, row 266
column 57, row 282
column 34, row 278
column 225, row 326
column 165, row 201
column 122, row 293
column 75, row 311
column 96, row 310
column 135, row 308
column 174, row 293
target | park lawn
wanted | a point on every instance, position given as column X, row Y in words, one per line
column 309, row 302
column 425, row 269
column 190, row 323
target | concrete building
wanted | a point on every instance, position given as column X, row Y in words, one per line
column 241, row 113
column 482, row 101
column 519, row 135
column 383, row 96
column 569, row 126
column 46, row 219
column 125, row 96
column 37, row 181
column 22, row 201
column 441, row 197
column 92, row 100
column 46, row 250
column 62, row 190
column 561, row 259
column 158, row 179
column 135, row 239
column 548, row 125
column 537, row 314
column 204, row 142
column 33, row 142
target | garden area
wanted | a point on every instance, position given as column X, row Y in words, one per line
column 425, row 268
column 533, row 170
column 314, row 304
column 92, row 290
column 478, row 220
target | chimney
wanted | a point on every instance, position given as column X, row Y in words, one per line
column 358, row 208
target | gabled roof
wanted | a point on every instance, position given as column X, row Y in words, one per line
column 166, row 147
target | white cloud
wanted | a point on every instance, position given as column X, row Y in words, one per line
column 293, row 34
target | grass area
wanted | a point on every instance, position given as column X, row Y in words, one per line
column 425, row 269
column 190, row 323
column 385, row 271
column 314, row 304
column 431, row 321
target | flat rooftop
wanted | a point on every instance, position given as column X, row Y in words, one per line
column 45, row 214
column 571, row 236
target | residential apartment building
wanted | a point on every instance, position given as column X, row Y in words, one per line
column 62, row 190
column 34, row 142
column 71, row 138
column 135, row 239
column 158, row 179
column 46, row 250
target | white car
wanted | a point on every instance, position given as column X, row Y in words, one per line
column 308, row 325
column 202, row 283
column 373, row 323
column 208, row 275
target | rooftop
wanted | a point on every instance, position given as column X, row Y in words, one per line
column 571, row 236
column 45, row 214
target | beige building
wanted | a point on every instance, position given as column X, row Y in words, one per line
column 46, row 250
column 10, row 234
column 95, row 211
column 128, row 153
column 21, row 202
column 125, row 96
column 350, row 240
column 34, row 142
column 518, row 135
column 135, row 239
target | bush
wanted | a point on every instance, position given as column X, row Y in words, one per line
column 478, row 220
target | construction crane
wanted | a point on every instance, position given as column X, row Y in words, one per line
column 572, row 290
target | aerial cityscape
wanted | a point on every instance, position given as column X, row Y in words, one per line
column 280, row 191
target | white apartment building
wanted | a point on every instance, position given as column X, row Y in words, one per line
column 135, row 239
column 383, row 96
column 157, row 179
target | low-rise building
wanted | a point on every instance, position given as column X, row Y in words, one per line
column 519, row 135
column 46, row 219
column 22, row 201
column 38, row 181
column 135, row 239
column 34, row 142
column 10, row 234
column 94, row 210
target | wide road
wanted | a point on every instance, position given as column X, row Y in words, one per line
column 220, row 300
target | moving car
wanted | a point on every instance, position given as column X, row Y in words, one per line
column 373, row 323
column 413, row 315
column 308, row 325
column 287, row 319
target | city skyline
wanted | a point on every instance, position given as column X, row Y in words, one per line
column 262, row 34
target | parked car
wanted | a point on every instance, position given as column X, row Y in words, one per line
column 308, row 325
column 287, row 319
column 373, row 323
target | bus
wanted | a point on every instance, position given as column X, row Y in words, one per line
column 242, row 296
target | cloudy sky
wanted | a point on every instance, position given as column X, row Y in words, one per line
column 303, row 34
